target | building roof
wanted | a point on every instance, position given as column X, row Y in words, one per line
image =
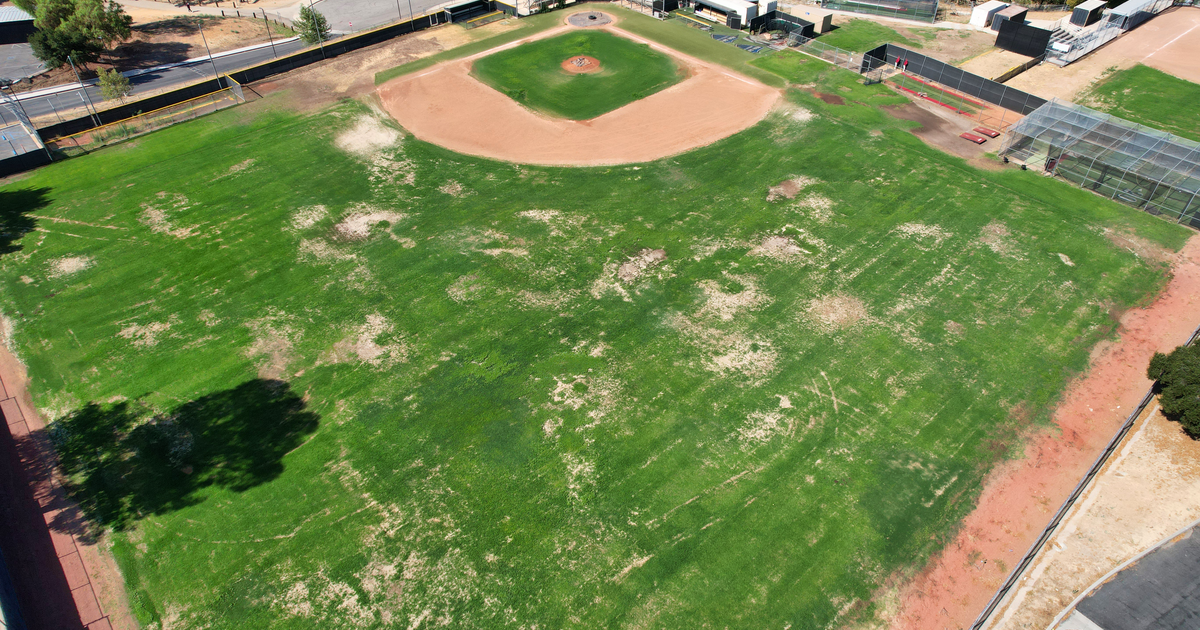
column 1014, row 11
column 990, row 4
column 13, row 14
column 729, row 6
column 1091, row 5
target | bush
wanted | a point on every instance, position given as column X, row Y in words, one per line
column 1177, row 379
column 311, row 26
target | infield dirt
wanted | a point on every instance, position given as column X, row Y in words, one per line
column 446, row 106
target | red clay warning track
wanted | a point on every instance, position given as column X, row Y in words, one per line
column 446, row 106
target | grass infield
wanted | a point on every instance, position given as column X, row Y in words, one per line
column 1150, row 97
column 309, row 373
column 532, row 74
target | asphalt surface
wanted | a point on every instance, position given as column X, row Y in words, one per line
column 15, row 140
column 1159, row 592
column 158, row 80
column 17, row 62
column 344, row 16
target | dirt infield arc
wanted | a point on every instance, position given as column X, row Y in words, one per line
column 448, row 107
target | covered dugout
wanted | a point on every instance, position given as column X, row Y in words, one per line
column 15, row 25
column 1124, row 161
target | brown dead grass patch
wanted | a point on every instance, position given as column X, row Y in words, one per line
column 368, row 136
column 274, row 337
column 357, row 225
column 66, row 266
column 1140, row 247
column 789, row 188
column 836, row 312
column 726, row 306
column 362, row 345
column 633, row 269
column 998, row 238
column 779, row 248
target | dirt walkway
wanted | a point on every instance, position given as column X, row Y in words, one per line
column 448, row 107
column 1169, row 42
column 1149, row 489
column 75, row 578
column 1020, row 497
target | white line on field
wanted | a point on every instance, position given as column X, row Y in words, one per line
column 1173, row 40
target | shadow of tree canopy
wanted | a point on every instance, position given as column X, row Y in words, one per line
column 122, row 464
column 15, row 222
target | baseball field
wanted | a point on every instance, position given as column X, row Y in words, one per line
column 306, row 370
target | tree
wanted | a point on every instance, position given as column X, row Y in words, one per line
column 114, row 85
column 81, row 29
column 312, row 26
column 1177, row 377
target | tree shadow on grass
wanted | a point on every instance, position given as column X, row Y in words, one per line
column 15, row 222
column 122, row 464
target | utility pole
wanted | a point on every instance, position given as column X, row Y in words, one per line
column 317, row 27
column 86, row 96
column 216, row 75
column 269, row 38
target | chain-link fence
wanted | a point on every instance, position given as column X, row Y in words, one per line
column 837, row 56
column 105, row 135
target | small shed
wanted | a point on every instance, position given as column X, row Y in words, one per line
column 1013, row 13
column 822, row 19
column 15, row 25
column 1088, row 13
column 981, row 15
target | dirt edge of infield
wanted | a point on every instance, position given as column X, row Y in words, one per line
column 444, row 105
column 1020, row 496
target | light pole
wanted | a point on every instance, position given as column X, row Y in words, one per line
column 216, row 75
column 317, row 28
column 269, row 38
column 87, row 97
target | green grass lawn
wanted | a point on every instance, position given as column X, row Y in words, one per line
column 305, row 387
column 864, row 35
column 532, row 74
column 1149, row 97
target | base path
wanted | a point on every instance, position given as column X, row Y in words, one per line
column 448, row 107
column 1020, row 497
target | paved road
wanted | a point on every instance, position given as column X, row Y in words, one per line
column 159, row 80
column 347, row 16
column 344, row 16
column 17, row 62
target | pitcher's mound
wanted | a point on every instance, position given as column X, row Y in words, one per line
column 589, row 18
column 581, row 64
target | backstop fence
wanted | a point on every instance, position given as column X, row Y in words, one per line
column 954, row 78
column 104, row 135
column 1138, row 166
column 837, row 56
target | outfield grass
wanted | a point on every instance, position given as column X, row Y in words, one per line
column 1149, row 97
column 532, row 74
column 308, row 387
column 863, row 35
